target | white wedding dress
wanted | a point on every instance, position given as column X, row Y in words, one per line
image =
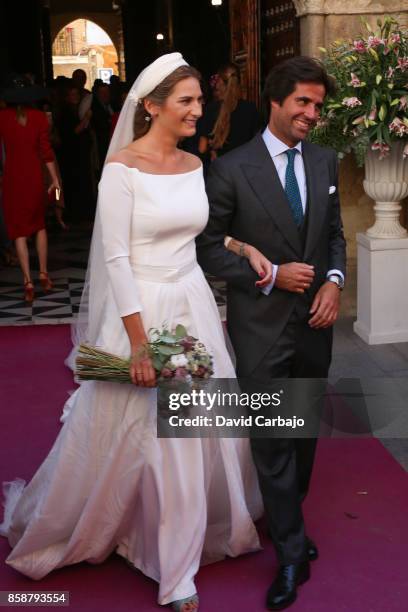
column 108, row 483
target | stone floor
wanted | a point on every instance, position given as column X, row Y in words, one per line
column 352, row 358
column 68, row 255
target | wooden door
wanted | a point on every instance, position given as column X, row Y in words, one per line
column 280, row 33
column 245, row 44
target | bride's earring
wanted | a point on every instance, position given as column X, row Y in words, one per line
column 148, row 118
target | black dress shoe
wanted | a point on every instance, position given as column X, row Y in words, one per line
column 311, row 550
column 282, row 592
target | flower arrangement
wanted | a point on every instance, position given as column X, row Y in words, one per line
column 370, row 106
column 174, row 354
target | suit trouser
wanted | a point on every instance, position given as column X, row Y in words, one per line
column 285, row 465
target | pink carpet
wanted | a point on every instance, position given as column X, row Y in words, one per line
column 357, row 509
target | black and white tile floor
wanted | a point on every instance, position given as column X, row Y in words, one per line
column 68, row 254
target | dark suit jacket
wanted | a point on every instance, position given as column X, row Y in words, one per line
column 247, row 201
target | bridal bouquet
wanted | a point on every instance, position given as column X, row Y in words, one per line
column 175, row 356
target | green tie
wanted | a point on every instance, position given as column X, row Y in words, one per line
column 292, row 188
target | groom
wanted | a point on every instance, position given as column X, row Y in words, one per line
column 279, row 193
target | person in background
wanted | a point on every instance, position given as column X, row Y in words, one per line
column 124, row 90
column 116, row 89
column 79, row 80
column 25, row 135
column 228, row 121
column 74, row 157
column 101, row 121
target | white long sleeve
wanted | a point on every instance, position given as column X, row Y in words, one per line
column 115, row 208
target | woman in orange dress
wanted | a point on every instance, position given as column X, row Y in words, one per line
column 24, row 133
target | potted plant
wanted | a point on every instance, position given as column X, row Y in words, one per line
column 369, row 116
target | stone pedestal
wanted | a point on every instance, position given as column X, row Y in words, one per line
column 382, row 289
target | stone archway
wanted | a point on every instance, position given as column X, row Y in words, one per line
column 111, row 23
column 82, row 44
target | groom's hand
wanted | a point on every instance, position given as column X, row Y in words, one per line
column 294, row 276
column 325, row 307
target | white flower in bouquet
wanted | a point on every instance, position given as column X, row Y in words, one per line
column 179, row 361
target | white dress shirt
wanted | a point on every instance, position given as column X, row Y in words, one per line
column 276, row 149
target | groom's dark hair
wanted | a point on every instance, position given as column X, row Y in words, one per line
column 282, row 79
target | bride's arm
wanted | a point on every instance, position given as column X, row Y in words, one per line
column 115, row 208
column 265, row 269
column 141, row 368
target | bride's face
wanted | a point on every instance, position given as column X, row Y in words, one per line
column 181, row 110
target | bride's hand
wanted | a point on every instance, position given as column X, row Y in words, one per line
column 260, row 264
column 141, row 370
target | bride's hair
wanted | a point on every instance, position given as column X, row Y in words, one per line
column 141, row 122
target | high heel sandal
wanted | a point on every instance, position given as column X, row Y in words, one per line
column 188, row 604
column 45, row 281
column 29, row 291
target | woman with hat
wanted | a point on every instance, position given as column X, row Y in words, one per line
column 24, row 132
column 109, row 483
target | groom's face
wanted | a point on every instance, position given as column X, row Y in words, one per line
column 292, row 120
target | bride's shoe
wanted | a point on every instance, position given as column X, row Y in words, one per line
column 45, row 281
column 188, row 604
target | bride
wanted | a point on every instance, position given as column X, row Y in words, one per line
column 108, row 483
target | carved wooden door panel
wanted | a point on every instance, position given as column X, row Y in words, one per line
column 280, row 33
column 245, row 44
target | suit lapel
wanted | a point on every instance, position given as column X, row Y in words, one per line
column 318, row 182
column 261, row 173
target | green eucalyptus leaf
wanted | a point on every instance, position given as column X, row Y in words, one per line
column 181, row 332
column 378, row 79
column 157, row 362
column 167, row 339
column 170, row 350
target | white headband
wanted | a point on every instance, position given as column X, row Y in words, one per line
column 144, row 84
column 154, row 74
